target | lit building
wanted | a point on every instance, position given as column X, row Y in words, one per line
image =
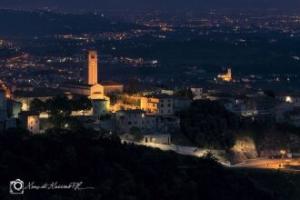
column 127, row 119
column 97, row 92
column 227, row 77
column 9, row 110
column 197, row 92
column 100, row 102
column 149, row 104
column 30, row 121
column 128, row 102
column 289, row 99
column 92, row 68
column 85, row 89
column 13, row 108
column 157, row 139
column 159, row 104
column 4, row 87
column 147, row 123
column 258, row 107
column 109, row 87
column 166, row 105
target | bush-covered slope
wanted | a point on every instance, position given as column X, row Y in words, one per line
column 116, row 171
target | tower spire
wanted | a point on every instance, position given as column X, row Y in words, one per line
column 92, row 68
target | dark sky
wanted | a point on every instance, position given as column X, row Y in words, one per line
column 149, row 4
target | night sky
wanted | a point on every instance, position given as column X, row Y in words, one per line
column 148, row 4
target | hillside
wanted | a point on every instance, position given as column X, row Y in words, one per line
column 116, row 171
column 37, row 23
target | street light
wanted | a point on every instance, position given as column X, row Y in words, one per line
column 283, row 153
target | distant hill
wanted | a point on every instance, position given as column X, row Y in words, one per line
column 25, row 23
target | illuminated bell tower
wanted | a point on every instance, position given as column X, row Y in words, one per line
column 229, row 74
column 92, row 68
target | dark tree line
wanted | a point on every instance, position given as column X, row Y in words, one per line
column 61, row 103
column 60, row 109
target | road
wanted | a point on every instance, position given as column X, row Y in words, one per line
column 259, row 163
column 266, row 163
column 185, row 150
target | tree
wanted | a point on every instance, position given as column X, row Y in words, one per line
column 113, row 98
column 81, row 103
column 60, row 109
column 38, row 106
column 185, row 93
column 136, row 132
column 209, row 124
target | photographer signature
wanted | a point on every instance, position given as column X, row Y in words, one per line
column 76, row 186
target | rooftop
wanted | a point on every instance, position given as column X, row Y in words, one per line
column 110, row 83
